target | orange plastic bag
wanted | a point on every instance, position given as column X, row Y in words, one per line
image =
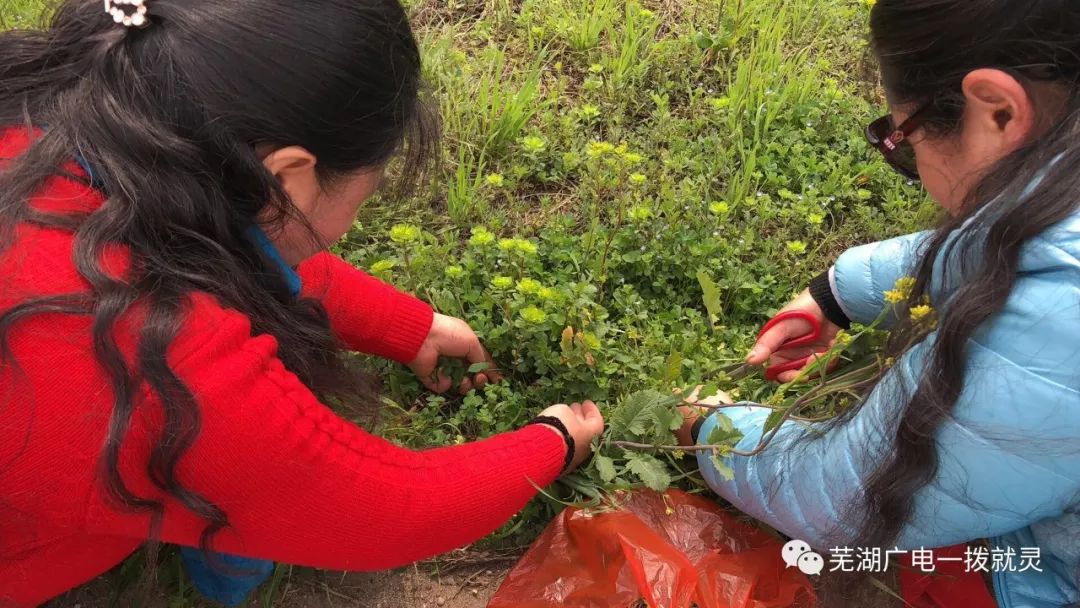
column 669, row 550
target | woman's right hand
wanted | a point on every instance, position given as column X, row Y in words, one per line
column 768, row 348
column 583, row 421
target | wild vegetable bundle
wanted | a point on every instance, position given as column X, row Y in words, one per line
column 639, row 446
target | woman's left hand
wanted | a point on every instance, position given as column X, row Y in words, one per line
column 694, row 410
column 450, row 337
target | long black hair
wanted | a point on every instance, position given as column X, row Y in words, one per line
column 170, row 118
column 925, row 49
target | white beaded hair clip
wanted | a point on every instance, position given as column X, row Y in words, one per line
column 135, row 16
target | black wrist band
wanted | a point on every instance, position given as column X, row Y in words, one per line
column 821, row 291
column 571, row 448
column 695, row 430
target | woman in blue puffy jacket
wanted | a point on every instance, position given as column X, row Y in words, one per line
column 975, row 432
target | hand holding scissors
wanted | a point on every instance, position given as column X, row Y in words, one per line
column 789, row 341
column 790, row 352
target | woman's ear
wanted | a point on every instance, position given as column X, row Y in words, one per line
column 294, row 167
column 999, row 112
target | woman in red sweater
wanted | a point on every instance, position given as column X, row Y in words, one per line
column 164, row 167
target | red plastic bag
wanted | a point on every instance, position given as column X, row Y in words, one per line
column 667, row 549
column 952, row 584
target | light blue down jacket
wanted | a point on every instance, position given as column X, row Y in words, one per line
column 1010, row 455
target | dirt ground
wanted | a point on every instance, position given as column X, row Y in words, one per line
column 415, row 587
column 466, row 587
column 464, row 579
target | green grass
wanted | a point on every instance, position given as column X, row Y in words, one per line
column 627, row 145
column 633, row 146
column 20, row 13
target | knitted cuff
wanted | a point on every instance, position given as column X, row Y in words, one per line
column 695, row 430
column 821, row 291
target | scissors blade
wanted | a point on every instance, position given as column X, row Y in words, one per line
column 739, row 371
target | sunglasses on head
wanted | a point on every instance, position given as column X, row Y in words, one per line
column 892, row 141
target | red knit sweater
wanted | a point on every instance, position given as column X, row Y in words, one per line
column 299, row 484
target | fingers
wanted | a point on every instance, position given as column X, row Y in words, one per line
column 479, row 354
column 772, row 340
column 584, row 423
column 476, row 353
column 465, row 386
column 814, row 357
column 437, row 381
column 492, row 375
column 591, row 418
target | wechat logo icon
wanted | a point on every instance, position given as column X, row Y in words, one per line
column 797, row 553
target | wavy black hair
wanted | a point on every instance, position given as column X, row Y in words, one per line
column 925, row 49
column 170, row 118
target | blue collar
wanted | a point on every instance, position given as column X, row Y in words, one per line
column 95, row 179
column 260, row 240
column 253, row 234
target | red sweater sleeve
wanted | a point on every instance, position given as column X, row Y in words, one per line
column 368, row 315
column 301, row 485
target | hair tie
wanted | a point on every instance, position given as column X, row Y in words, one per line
column 130, row 13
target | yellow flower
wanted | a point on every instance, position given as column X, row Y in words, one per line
column 719, row 103
column 901, row 291
column 719, row 207
column 507, row 244
column 495, row 179
column 920, row 312
column 404, row 233
column 382, row 266
column 502, row 282
column 525, row 246
column 547, row 293
column 596, row 149
column 905, row 285
column 590, row 341
column 454, row 271
column 637, row 179
column 843, row 338
column 528, row 286
column 533, row 314
column 481, row 236
column 590, row 112
column 533, row 144
column 640, row 213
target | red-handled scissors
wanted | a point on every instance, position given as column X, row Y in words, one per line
column 773, row 373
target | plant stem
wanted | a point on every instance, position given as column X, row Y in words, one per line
column 666, row 448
